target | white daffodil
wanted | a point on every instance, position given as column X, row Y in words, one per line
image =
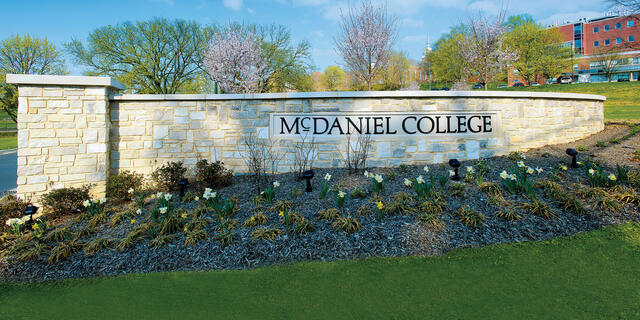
column 451, row 173
column 341, row 194
column 407, row 182
column 378, row 178
column 539, row 170
column 366, row 173
column 420, row 180
column 276, row 184
column 95, row 200
column 196, row 198
column 470, row 169
column 130, row 191
column 207, row 190
column 530, row 170
column 168, row 196
column 139, row 211
column 520, row 164
column 163, row 210
column 327, row 177
column 612, row 177
column 563, row 167
column 153, row 196
column 513, row 177
column 11, row 222
column 159, row 195
column 504, row 174
column 592, row 172
column 523, row 155
column 86, row 203
column 102, row 200
column 426, row 169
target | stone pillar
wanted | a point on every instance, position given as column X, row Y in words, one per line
column 63, row 132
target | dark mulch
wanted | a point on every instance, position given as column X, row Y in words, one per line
column 394, row 236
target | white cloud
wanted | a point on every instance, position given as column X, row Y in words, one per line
column 251, row 11
column 411, row 23
column 232, row 4
column 419, row 38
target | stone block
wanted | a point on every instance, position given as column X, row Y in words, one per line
column 96, row 148
column 160, row 132
column 28, row 91
column 95, row 107
column 383, row 149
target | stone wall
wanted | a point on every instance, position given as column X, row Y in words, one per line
column 71, row 134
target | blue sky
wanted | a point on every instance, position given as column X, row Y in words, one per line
column 312, row 20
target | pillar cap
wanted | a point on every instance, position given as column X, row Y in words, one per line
column 50, row 80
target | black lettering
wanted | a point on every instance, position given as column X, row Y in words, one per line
column 315, row 125
column 404, row 127
column 449, row 125
column 283, row 125
column 357, row 128
column 376, row 125
column 487, row 123
column 438, row 125
column 336, row 124
column 462, row 124
column 389, row 127
column 420, row 125
column 471, row 128
column 305, row 128
column 368, row 128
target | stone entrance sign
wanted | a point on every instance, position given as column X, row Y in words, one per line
column 418, row 125
column 76, row 130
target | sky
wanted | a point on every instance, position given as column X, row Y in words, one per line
column 315, row 21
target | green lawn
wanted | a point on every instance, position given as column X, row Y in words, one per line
column 8, row 142
column 623, row 98
column 593, row 275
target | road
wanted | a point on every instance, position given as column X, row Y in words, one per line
column 8, row 170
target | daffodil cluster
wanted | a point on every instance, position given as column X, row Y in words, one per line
column 340, row 199
column 270, row 192
column 324, row 185
column 95, row 206
column 377, row 181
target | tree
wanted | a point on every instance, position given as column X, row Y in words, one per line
column 366, row 36
column 540, row 51
column 608, row 59
column 25, row 55
column 482, row 50
column 446, row 59
column 235, row 60
column 156, row 56
column 396, row 74
column 333, row 78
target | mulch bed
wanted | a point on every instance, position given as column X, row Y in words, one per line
column 397, row 235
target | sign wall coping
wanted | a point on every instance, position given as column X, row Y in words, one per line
column 51, row 80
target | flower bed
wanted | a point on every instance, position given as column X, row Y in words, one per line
column 407, row 210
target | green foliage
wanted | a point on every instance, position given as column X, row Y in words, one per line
column 364, row 210
column 226, row 237
column 65, row 249
column 59, row 234
column 118, row 185
column 491, row 188
column 396, row 75
column 38, row 249
column 347, row 224
column 121, row 216
column 265, row 233
column 194, row 236
column 213, row 175
column 435, row 205
column 400, row 203
column 303, row 225
column 539, row 208
column 162, row 240
column 168, row 175
column 458, row 189
column 446, row 60
column 11, row 207
column 508, row 214
column 328, row 214
column 431, row 220
column 65, row 201
column 97, row 220
column 334, row 78
column 340, row 198
column 359, row 193
column 25, row 55
column 469, row 217
column 98, row 244
column 601, row 144
column 256, row 220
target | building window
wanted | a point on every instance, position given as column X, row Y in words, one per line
column 606, row 27
column 595, row 30
column 607, row 42
column 618, row 40
column 636, row 60
column 631, row 38
column 618, row 25
column 630, row 23
column 596, row 43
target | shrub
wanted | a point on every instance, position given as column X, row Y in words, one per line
column 364, row 210
column 328, row 214
column 37, row 250
column 194, row 236
column 268, row 234
column 359, row 193
column 168, row 175
column 226, row 237
column 11, row 207
column 539, row 208
column 508, row 214
column 65, row 201
column 400, row 203
column 213, row 174
column 303, row 225
column 431, row 220
column 469, row 217
column 347, row 224
column 64, row 250
column 118, row 185
column 255, row 220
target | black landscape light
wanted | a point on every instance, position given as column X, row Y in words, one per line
column 573, row 153
column 308, row 175
column 182, row 184
column 30, row 211
column 455, row 164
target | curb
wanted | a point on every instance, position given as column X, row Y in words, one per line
column 8, row 151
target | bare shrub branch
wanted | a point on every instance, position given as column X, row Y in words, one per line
column 262, row 159
column 305, row 152
column 357, row 152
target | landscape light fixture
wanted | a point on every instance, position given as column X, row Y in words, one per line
column 308, row 175
column 182, row 184
column 455, row 164
column 573, row 153
column 30, row 211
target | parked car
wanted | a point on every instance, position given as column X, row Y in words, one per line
column 565, row 79
column 518, row 84
column 502, row 86
column 534, row 84
column 444, row 89
column 478, row 86
column 621, row 79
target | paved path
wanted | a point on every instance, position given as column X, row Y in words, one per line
column 8, row 170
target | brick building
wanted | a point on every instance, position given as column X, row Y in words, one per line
column 595, row 39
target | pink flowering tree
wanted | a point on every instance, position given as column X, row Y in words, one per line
column 481, row 47
column 367, row 34
column 235, row 60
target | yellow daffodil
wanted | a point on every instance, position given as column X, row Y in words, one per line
column 563, row 167
column 186, row 229
column 612, row 177
column 530, row 170
column 196, row 198
column 380, row 205
column 252, row 219
column 281, row 214
column 420, row 180
column 341, row 194
column 184, row 215
column 133, row 221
